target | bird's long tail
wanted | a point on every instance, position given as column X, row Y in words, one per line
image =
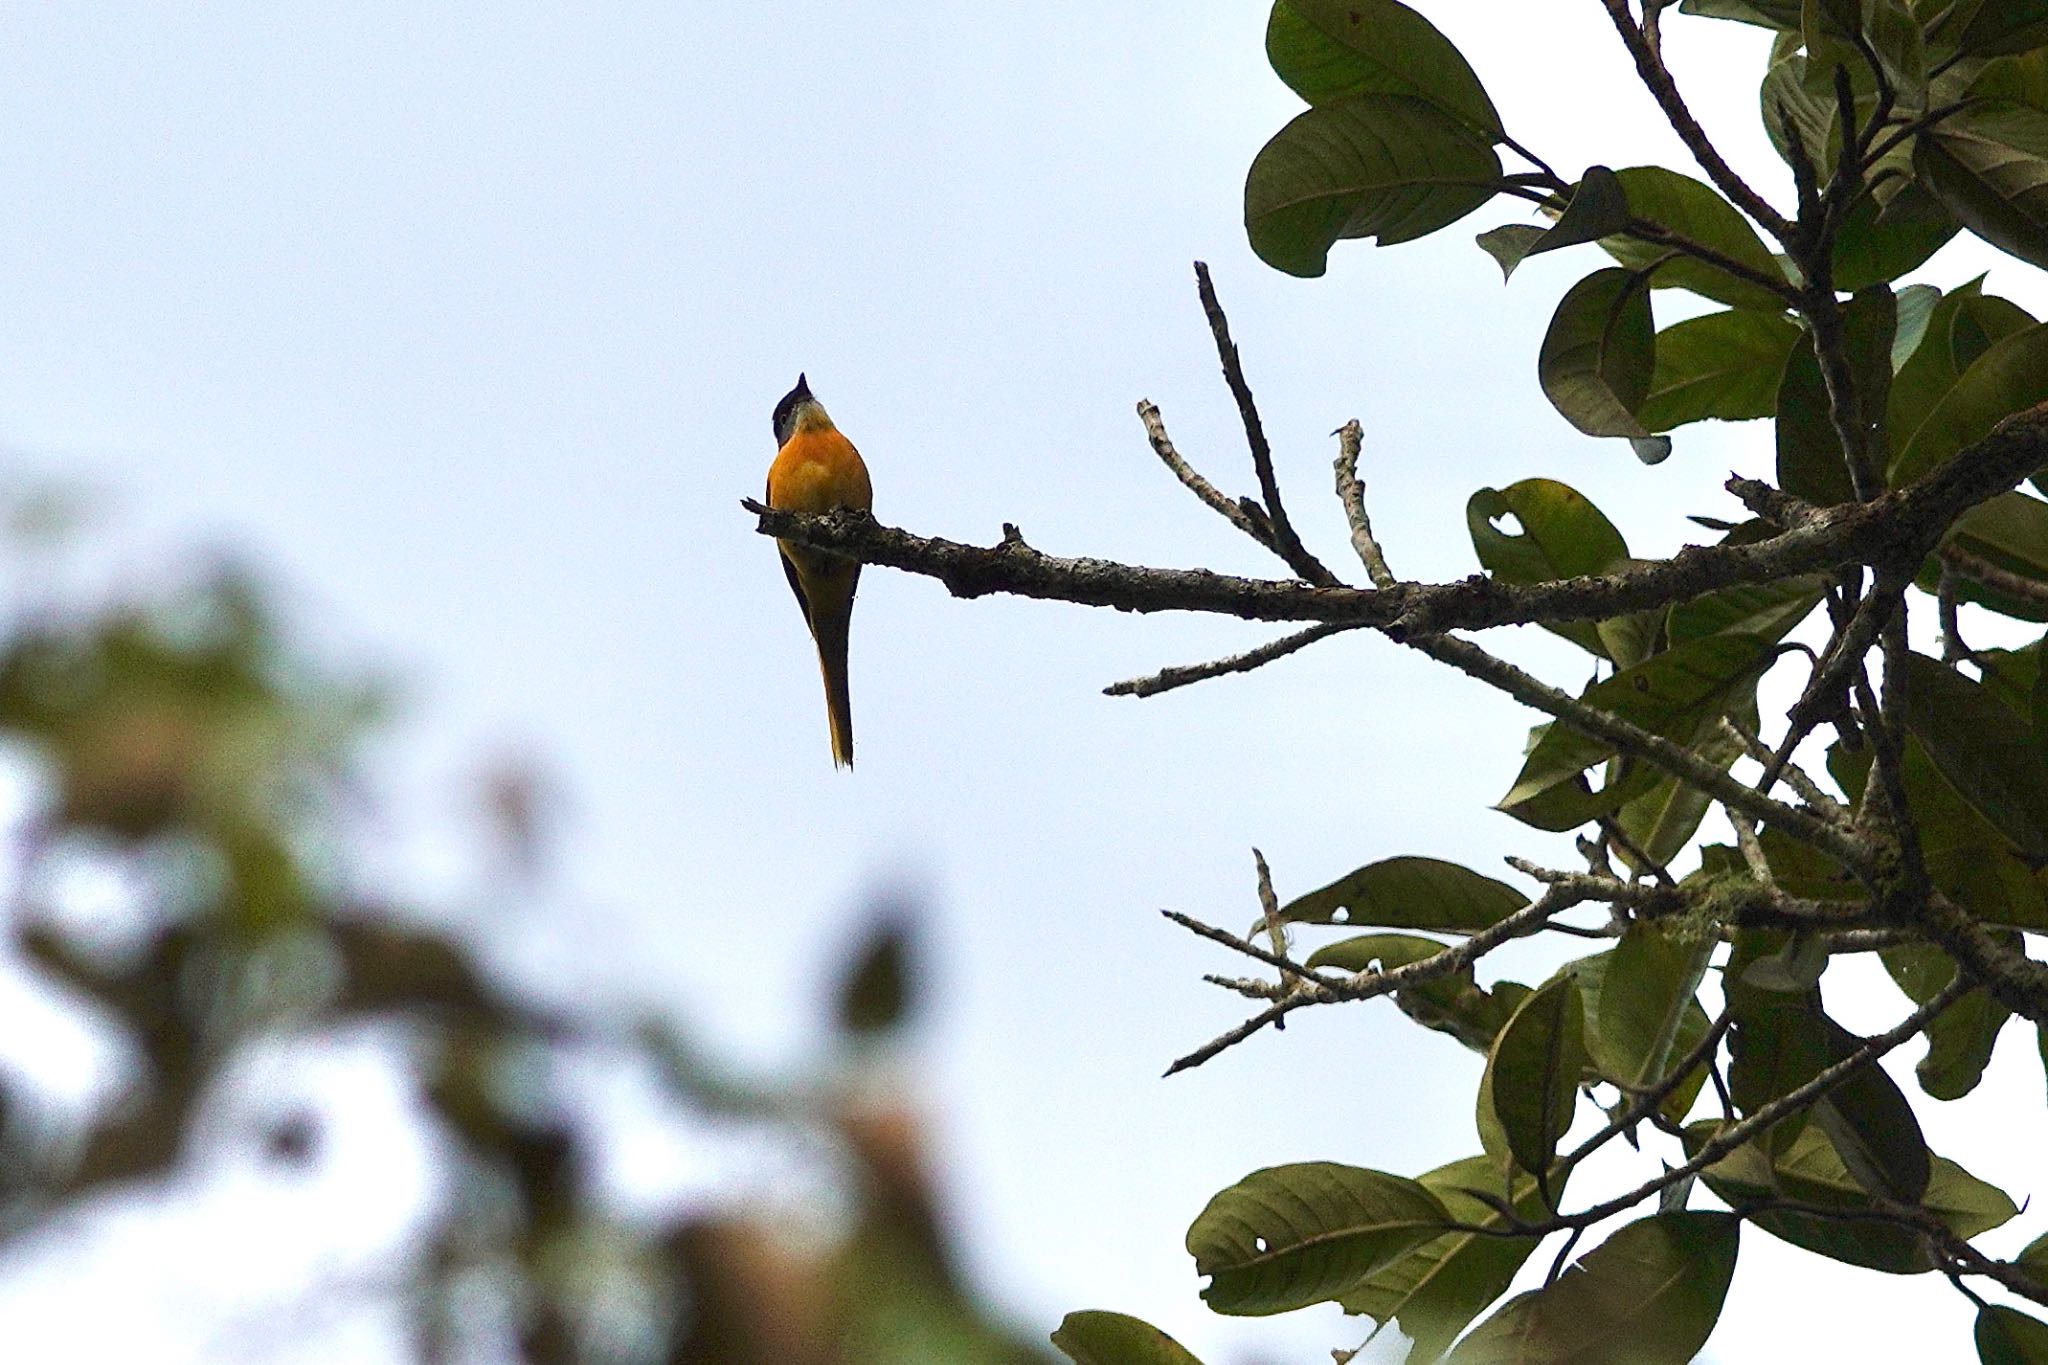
column 831, row 614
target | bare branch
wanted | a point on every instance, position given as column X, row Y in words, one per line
column 1980, row 570
column 1215, row 498
column 1284, row 541
column 1351, row 493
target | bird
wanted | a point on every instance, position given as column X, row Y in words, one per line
column 816, row 469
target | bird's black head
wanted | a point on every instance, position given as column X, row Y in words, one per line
column 785, row 411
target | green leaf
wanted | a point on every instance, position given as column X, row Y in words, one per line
column 1984, row 749
column 1778, row 14
column 1330, row 50
column 1874, row 247
column 2006, row 1336
column 2011, row 375
column 1409, row 893
column 1723, row 366
column 1872, row 1127
column 1597, row 207
column 1641, row 1012
column 2034, row 1259
column 1916, row 307
column 1600, row 352
column 1289, row 1236
column 1094, row 1337
column 1809, row 1171
column 1649, row 1295
column 2004, row 26
column 1562, row 535
column 2010, row 530
column 1776, row 1047
column 1811, row 462
column 1676, row 694
column 1989, row 165
column 1960, row 1039
column 1965, row 854
column 1386, row 166
column 1661, row 821
column 1531, row 1085
column 1453, row 1004
column 1436, row 1290
column 1768, row 611
column 1694, row 211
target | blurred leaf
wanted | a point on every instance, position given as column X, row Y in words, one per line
column 1409, row 893
column 1648, row 1295
column 1289, row 1236
column 1436, row 1290
column 1598, row 356
column 1995, row 27
column 1331, row 50
column 2006, row 1336
column 1779, row 14
column 1384, row 166
column 1724, row 366
column 1531, row 1084
column 876, row 993
column 1094, row 1337
column 1693, row 210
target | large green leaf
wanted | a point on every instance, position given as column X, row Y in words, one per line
column 1641, row 1010
column 1768, row 611
column 1387, row 166
column 1330, row 50
column 1694, row 211
column 1560, row 535
column 1436, row 1290
column 1649, row 1295
column 1809, row 1171
column 1871, row 1125
column 1094, row 1337
column 1289, row 1236
column 1409, row 893
column 1723, row 365
column 2006, row 1336
column 1989, row 165
column 1873, row 247
column 1662, row 821
column 1811, row 462
column 1984, row 748
column 1599, row 354
column 2009, row 376
column 1965, row 854
column 1531, row 1085
column 1675, row 694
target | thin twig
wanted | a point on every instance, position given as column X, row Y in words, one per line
column 1180, row 675
column 1215, row 498
column 1276, row 932
column 1984, row 572
column 1284, row 542
column 1351, row 493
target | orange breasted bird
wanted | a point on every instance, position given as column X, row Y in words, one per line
column 816, row 469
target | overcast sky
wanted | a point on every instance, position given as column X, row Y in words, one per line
column 466, row 321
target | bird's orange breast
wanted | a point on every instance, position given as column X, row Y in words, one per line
column 816, row 471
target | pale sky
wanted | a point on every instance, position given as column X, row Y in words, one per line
column 466, row 322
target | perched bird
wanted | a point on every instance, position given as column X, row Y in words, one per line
column 816, row 469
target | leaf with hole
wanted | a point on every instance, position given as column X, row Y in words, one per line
column 1436, row 1290
column 1560, row 534
column 1409, row 893
column 1289, row 1236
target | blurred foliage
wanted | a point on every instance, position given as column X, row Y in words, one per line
column 184, row 745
